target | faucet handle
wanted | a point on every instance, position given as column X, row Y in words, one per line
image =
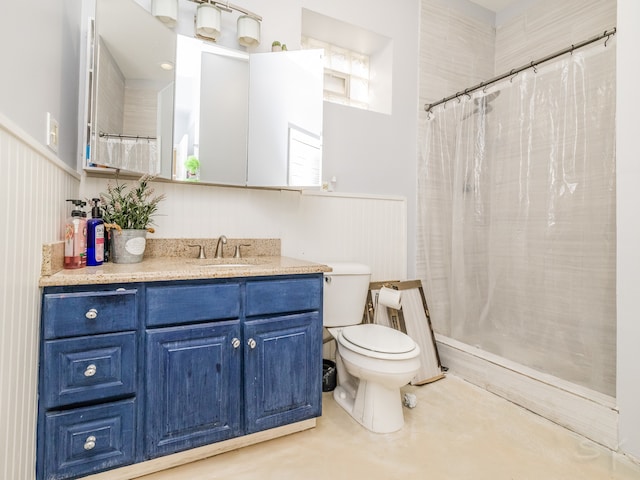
column 201, row 253
column 237, row 254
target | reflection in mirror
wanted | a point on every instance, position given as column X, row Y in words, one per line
column 211, row 113
column 133, row 92
column 285, row 119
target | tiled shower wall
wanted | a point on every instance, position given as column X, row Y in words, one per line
column 33, row 188
column 549, row 26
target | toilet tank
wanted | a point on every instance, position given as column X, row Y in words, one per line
column 345, row 293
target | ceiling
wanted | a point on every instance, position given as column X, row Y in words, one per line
column 138, row 42
column 494, row 5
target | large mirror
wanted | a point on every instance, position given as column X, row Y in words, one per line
column 132, row 107
column 211, row 113
column 220, row 116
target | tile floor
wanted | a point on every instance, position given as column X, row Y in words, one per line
column 456, row 432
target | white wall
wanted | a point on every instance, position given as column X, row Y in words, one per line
column 628, row 199
column 40, row 56
column 367, row 152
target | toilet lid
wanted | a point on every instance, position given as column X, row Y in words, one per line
column 378, row 338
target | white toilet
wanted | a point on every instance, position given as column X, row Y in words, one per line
column 373, row 361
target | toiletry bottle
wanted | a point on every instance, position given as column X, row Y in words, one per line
column 83, row 229
column 95, row 236
column 73, row 237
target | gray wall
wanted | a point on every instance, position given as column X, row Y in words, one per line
column 41, row 55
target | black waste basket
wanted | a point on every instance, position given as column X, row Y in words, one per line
column 328, row 375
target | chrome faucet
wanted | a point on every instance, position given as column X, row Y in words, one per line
column 222, row 241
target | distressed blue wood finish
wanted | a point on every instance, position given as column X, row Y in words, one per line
column 67, row 313
column 83, row 369
column 168, row 374
column 283, row 295
column 174, row 304
column 283, row 371
column 193, row 380
column 89, row 440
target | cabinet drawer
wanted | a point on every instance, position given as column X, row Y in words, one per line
column 284, row 296
column 89, row 368
column 88, row 313
column 88, row 440
column 170, row 305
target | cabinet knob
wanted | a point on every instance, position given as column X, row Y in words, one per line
column 91, row 314
column 90, row 443
column 235, row 343
column 251, row 343
column 90, row 371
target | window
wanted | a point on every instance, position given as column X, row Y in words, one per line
column 358, row 62
column 346, row 74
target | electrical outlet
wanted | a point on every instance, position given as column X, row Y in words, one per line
column 53, row 133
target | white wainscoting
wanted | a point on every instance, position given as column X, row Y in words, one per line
column 315, row 226
column 33, row 188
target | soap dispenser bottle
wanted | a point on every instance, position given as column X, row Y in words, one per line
column 95, row 236
column 75, row 237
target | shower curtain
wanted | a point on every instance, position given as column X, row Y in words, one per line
column 516, row 229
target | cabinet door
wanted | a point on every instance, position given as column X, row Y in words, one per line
column 283, row 370
column 193, row 386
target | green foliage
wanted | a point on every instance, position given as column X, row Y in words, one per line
column 130, row 208
column 192, row 164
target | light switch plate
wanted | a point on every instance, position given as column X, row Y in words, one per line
column 52, row 133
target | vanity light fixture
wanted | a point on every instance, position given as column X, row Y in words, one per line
column 248, row 31
column 208, row 21
column 166, row 11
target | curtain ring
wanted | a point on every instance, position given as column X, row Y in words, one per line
column 514, row 76
column 533, row 65
column 605, row 42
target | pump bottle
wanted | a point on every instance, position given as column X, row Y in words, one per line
column 95, row 236
column 75, row 237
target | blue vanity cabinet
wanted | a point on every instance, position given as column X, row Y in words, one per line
column 88, row 381
column 193, row 365
column 283, row 351
column 131, row 372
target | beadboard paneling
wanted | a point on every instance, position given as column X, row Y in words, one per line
column 33, row 189
column 314, row 226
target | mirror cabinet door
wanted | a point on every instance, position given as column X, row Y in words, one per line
column 131, row 128
column 211, row 113
column 221, row 116
column 285, row 119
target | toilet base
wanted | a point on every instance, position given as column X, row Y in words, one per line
column 375, row 407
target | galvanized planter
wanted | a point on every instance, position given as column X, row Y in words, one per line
column 127, row 246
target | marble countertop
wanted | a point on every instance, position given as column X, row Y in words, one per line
column 176, row 268
column 174, row 259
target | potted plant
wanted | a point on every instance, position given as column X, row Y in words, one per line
column 128, row 216
column 276, row 46
column 192, row 164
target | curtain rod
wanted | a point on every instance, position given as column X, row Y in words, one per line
column 118, row 135
column 533, row 64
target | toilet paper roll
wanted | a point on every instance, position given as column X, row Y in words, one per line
column 389, row 297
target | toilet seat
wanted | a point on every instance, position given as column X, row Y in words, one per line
column 378, row 341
